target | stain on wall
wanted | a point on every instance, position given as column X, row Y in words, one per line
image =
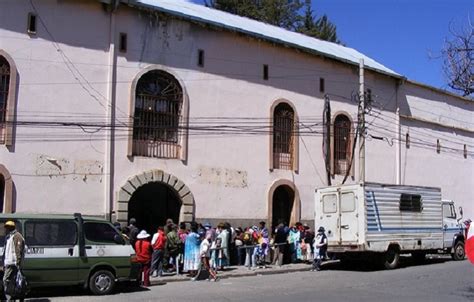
column 83, row 170
column 223, row 177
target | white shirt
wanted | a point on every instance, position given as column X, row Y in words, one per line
column 154, row 238
column 10, row 255
column 204, row 248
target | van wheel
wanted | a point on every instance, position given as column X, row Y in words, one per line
column 458, row 251
column 391, row 258
column 102, row 282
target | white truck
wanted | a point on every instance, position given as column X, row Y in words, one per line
column 373, row 221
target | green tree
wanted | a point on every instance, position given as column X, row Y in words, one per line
column 282, row 13
column 321, row 28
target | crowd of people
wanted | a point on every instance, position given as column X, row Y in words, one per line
column 194, row 247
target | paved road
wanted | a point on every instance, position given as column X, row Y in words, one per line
column 438, row 280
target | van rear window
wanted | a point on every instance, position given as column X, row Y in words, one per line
column 50, row 233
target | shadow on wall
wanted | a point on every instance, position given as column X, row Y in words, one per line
column 154, row 38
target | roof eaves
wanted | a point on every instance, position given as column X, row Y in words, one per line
column 134, row 3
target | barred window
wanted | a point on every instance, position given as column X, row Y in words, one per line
column 4, row 86
column 411, row 203
column 342, row 144
column 158, row 104
column 283, row 137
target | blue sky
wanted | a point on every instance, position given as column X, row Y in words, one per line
column 404, row 35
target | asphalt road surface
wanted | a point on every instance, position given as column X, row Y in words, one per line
column 436, row 280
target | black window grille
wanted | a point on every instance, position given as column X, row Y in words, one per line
column 342, row 144
column 411, row 202
column 158, row 103
column 283, row 137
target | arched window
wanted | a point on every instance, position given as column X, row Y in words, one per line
column 283, row 137
column 158, row 107
column 4, row 89
column 342, row 144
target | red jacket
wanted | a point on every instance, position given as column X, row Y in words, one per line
column 143, row 251
column 160, row 242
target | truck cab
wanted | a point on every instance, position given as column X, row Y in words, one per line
column 453, row 231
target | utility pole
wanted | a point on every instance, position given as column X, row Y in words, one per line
column 361, row 122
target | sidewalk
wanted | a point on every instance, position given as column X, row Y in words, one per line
column 238, row 271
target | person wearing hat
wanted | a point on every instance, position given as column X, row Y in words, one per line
column 13, row 255
column 143, row 251
column 320, row 248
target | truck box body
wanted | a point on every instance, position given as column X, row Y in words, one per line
column 371, row 217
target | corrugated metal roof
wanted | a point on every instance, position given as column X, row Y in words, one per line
column 202, row 14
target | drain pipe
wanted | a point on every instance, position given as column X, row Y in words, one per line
column 110, row 116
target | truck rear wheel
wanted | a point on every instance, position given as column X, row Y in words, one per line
column 391, row 258
column 102, row 282
column 458, row 251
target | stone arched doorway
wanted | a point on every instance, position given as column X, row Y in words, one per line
column 283, row 203
column 152, row 196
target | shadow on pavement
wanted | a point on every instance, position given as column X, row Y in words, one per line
column 42, row 294
column 367, row 266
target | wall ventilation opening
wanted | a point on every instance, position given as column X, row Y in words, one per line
column 438, row 146
column 32, row 24
column 123, row 42
column 407, row 140
column 265, row 72
column 465, row 151
column 201, row 58
column 322, row 87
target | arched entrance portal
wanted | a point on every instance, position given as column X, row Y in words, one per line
column 283, row 203
column 283, row 199
column 151, row 198
column 153, row 203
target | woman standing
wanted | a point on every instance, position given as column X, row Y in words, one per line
column 192, row 257
column 143, row 249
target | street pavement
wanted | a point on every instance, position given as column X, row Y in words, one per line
column 439, row 279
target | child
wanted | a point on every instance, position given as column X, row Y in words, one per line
column 320, row 248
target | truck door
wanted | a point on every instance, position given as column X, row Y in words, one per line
column 329, row 216
column 349, row 226
column 450, row 224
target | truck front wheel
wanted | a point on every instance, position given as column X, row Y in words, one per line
column 458, row 251
column 391, row 258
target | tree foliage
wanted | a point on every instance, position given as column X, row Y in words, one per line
column 282, row 13
column 320, row 28
column 458, row 60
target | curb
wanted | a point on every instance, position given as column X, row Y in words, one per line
column 250, row 273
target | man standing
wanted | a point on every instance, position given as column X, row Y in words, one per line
column 158, row 243
column 13, row 255
column 133, row 231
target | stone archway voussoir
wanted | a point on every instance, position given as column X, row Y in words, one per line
column 158, row 175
